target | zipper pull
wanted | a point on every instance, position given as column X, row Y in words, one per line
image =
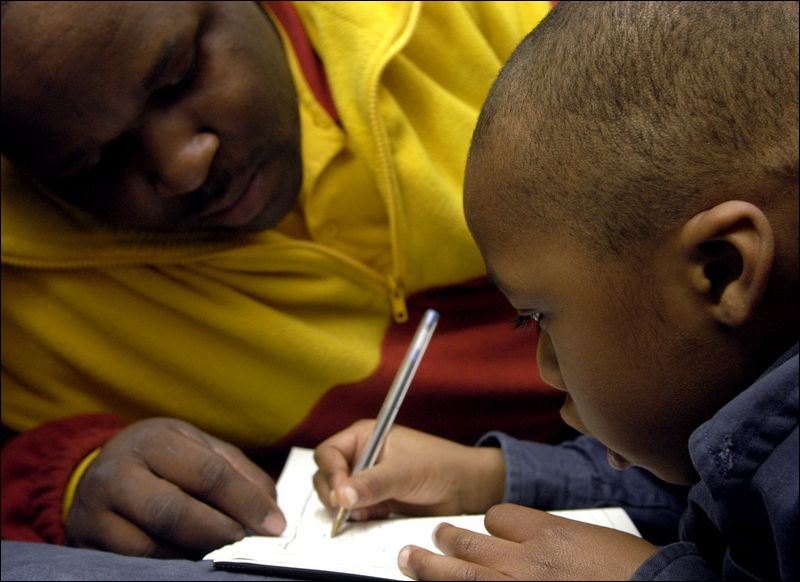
column 397, row 297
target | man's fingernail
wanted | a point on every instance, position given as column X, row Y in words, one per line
column 350, row 496
column 333, row 499
column 275, row 523
column 402, row 559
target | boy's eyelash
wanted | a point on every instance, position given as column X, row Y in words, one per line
column 525, row 320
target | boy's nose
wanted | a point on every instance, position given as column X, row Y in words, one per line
column 179, row 156
column 549, row 370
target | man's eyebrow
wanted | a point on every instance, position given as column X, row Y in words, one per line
column 169, row 50
column 69, row 162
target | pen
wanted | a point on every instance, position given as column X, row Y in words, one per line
column 391, row 404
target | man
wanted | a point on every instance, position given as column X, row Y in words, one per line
column 221, row 225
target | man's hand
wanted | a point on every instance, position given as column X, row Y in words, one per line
column 527, row 544
column 163, row 488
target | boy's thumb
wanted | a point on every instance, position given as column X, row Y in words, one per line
column 367, row 488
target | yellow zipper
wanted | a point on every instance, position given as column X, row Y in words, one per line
column 395, row 283
column 397, row 295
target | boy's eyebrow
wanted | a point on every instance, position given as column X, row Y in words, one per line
column 150, row 81
column 491, row 276
column 493, row 279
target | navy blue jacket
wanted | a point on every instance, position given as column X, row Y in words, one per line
column 740, row 521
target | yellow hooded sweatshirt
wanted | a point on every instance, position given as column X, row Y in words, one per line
column 244, row 335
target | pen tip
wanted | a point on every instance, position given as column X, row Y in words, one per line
column 337, row 523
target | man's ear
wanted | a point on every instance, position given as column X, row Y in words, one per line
column 730, row 249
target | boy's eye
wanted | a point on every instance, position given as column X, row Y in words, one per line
column 524, row 320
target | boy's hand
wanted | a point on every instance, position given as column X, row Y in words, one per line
column 416, row 474
column 527, row 544
column 164, row 488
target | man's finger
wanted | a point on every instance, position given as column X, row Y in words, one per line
column 113, row 533
column 209, row 477
column 245, row 466
column 167, row 514
column 421, row 564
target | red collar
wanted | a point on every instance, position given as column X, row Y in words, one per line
column 309, row 61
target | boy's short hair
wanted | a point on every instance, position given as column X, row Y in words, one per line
column 615, row 120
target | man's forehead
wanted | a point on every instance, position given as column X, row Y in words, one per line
column 73, row 65
column 86, row 37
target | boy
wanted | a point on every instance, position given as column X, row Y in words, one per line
column 246, row 204
column 646, row 220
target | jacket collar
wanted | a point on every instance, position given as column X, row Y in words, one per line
column 728, row 449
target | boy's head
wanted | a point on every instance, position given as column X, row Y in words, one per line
column 633, row 177
column 153, row 114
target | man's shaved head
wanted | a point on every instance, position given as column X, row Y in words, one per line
column 612, row 121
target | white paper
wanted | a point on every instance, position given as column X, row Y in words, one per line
column 364, row 548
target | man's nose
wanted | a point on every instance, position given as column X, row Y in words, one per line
column 179, row 155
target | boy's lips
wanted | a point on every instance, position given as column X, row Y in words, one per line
column 570, row 416
column 617, row 461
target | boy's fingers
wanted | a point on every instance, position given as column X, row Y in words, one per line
column 380, row 511
column 333, row 460
column 421, row 564
column 472, row 546
column 334, row 469
column 324, row 490
column 336, row 458
column 517, row 523
column 380, row 483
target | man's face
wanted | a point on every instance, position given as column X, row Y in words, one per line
column 640, row 371
column 164, row 115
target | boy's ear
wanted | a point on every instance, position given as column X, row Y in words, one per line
column 730, row 249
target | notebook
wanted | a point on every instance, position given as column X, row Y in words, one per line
column 361, row 550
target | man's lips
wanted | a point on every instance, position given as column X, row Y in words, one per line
column 246, row 205
column 231, row 198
